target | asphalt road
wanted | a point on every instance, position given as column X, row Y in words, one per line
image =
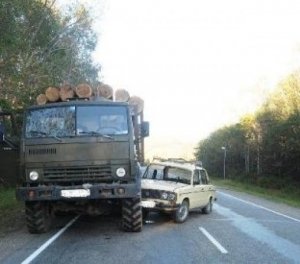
column 241, row 229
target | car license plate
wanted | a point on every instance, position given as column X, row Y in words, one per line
column 148, row 204
column 75, row 193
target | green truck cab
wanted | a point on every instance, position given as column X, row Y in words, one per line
column 81, row 156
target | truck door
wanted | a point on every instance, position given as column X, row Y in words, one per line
column 9, row 151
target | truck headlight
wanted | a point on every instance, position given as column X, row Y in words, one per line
column 121, row 172
column 33, row 175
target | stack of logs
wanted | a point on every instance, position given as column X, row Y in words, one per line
column 68, row 92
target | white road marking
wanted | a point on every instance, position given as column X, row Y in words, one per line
column 213, row 240
column 261, row 207
column 48, row 242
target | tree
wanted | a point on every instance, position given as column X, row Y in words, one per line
column 40, row 47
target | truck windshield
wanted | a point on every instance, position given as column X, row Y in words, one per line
column 71, row 121
column 104, row 120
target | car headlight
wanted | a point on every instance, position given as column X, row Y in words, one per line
column 164, row 196
column 172, row 196
column 121, row 172
column 33, row 175
column 168, row 196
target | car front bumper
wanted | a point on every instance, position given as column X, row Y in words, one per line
column 157, row 205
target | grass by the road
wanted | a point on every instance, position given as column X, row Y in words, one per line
column 288, row 195
column 10, row 209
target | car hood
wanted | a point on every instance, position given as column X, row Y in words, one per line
column 161, row 185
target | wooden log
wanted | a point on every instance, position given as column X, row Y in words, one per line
column 137, row 102
column 83, row 90
column 105, row 91
column 66, row 92
column 52, row 94
column 122, row 95
column 41, row 99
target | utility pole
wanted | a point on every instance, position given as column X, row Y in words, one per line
column 224, row 163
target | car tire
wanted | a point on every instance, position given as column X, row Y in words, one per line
column 182, row 212
column 38, row 217
column 145, row 214
column 132, row 219
column 208, row 208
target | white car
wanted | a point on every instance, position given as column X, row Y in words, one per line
column 177, row 188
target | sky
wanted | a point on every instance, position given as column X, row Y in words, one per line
column 198, row 65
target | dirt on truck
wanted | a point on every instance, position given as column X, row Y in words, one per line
column 83, row 155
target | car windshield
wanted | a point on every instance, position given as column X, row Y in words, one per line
column 167, row 173
column 71, row 121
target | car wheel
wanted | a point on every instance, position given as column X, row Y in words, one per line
column 145, row 213
column 182, row 212
column 208, row 208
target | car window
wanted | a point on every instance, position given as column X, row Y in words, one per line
column 178, row 175
column 154, row 172
column 204, row 178
column 196, row 177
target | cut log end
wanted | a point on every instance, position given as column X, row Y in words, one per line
column 52, row 94
column 122, row 95
column 137, row 102
column 66, row 92
column 105, row 91
column 41, row 99
column 83, row 90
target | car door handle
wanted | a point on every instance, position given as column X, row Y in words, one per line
column 202, row 189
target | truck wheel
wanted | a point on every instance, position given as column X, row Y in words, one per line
column 208, row 208
column 38, row 217
column 132, row 219
column 182, row 212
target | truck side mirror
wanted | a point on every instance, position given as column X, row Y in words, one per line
column 145, row 129
column 2, row 132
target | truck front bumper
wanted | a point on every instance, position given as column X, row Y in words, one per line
column 78, row 192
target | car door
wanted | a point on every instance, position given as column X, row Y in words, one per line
column 205, row 187
column 197, row 191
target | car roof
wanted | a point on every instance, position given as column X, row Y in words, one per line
column 185, row 166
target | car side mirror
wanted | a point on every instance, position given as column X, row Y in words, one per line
column 145, row 129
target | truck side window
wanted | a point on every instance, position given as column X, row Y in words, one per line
column 204, row 179
column 196, row 178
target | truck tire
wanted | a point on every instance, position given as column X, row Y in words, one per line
column 208, row 208
column 132, row 219
column 38, row 217
column 182, row 212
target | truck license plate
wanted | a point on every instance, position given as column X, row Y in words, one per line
column 75, row 193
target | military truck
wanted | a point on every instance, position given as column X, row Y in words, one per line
column 82, row 155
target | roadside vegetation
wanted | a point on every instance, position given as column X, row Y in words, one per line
column 262, row 150
column 11, row 210
column 288, row 195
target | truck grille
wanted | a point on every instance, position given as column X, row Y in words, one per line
column 78, row 174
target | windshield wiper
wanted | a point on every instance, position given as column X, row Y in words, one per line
column 44, row 134
column 37, row 133
column 95, row 133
